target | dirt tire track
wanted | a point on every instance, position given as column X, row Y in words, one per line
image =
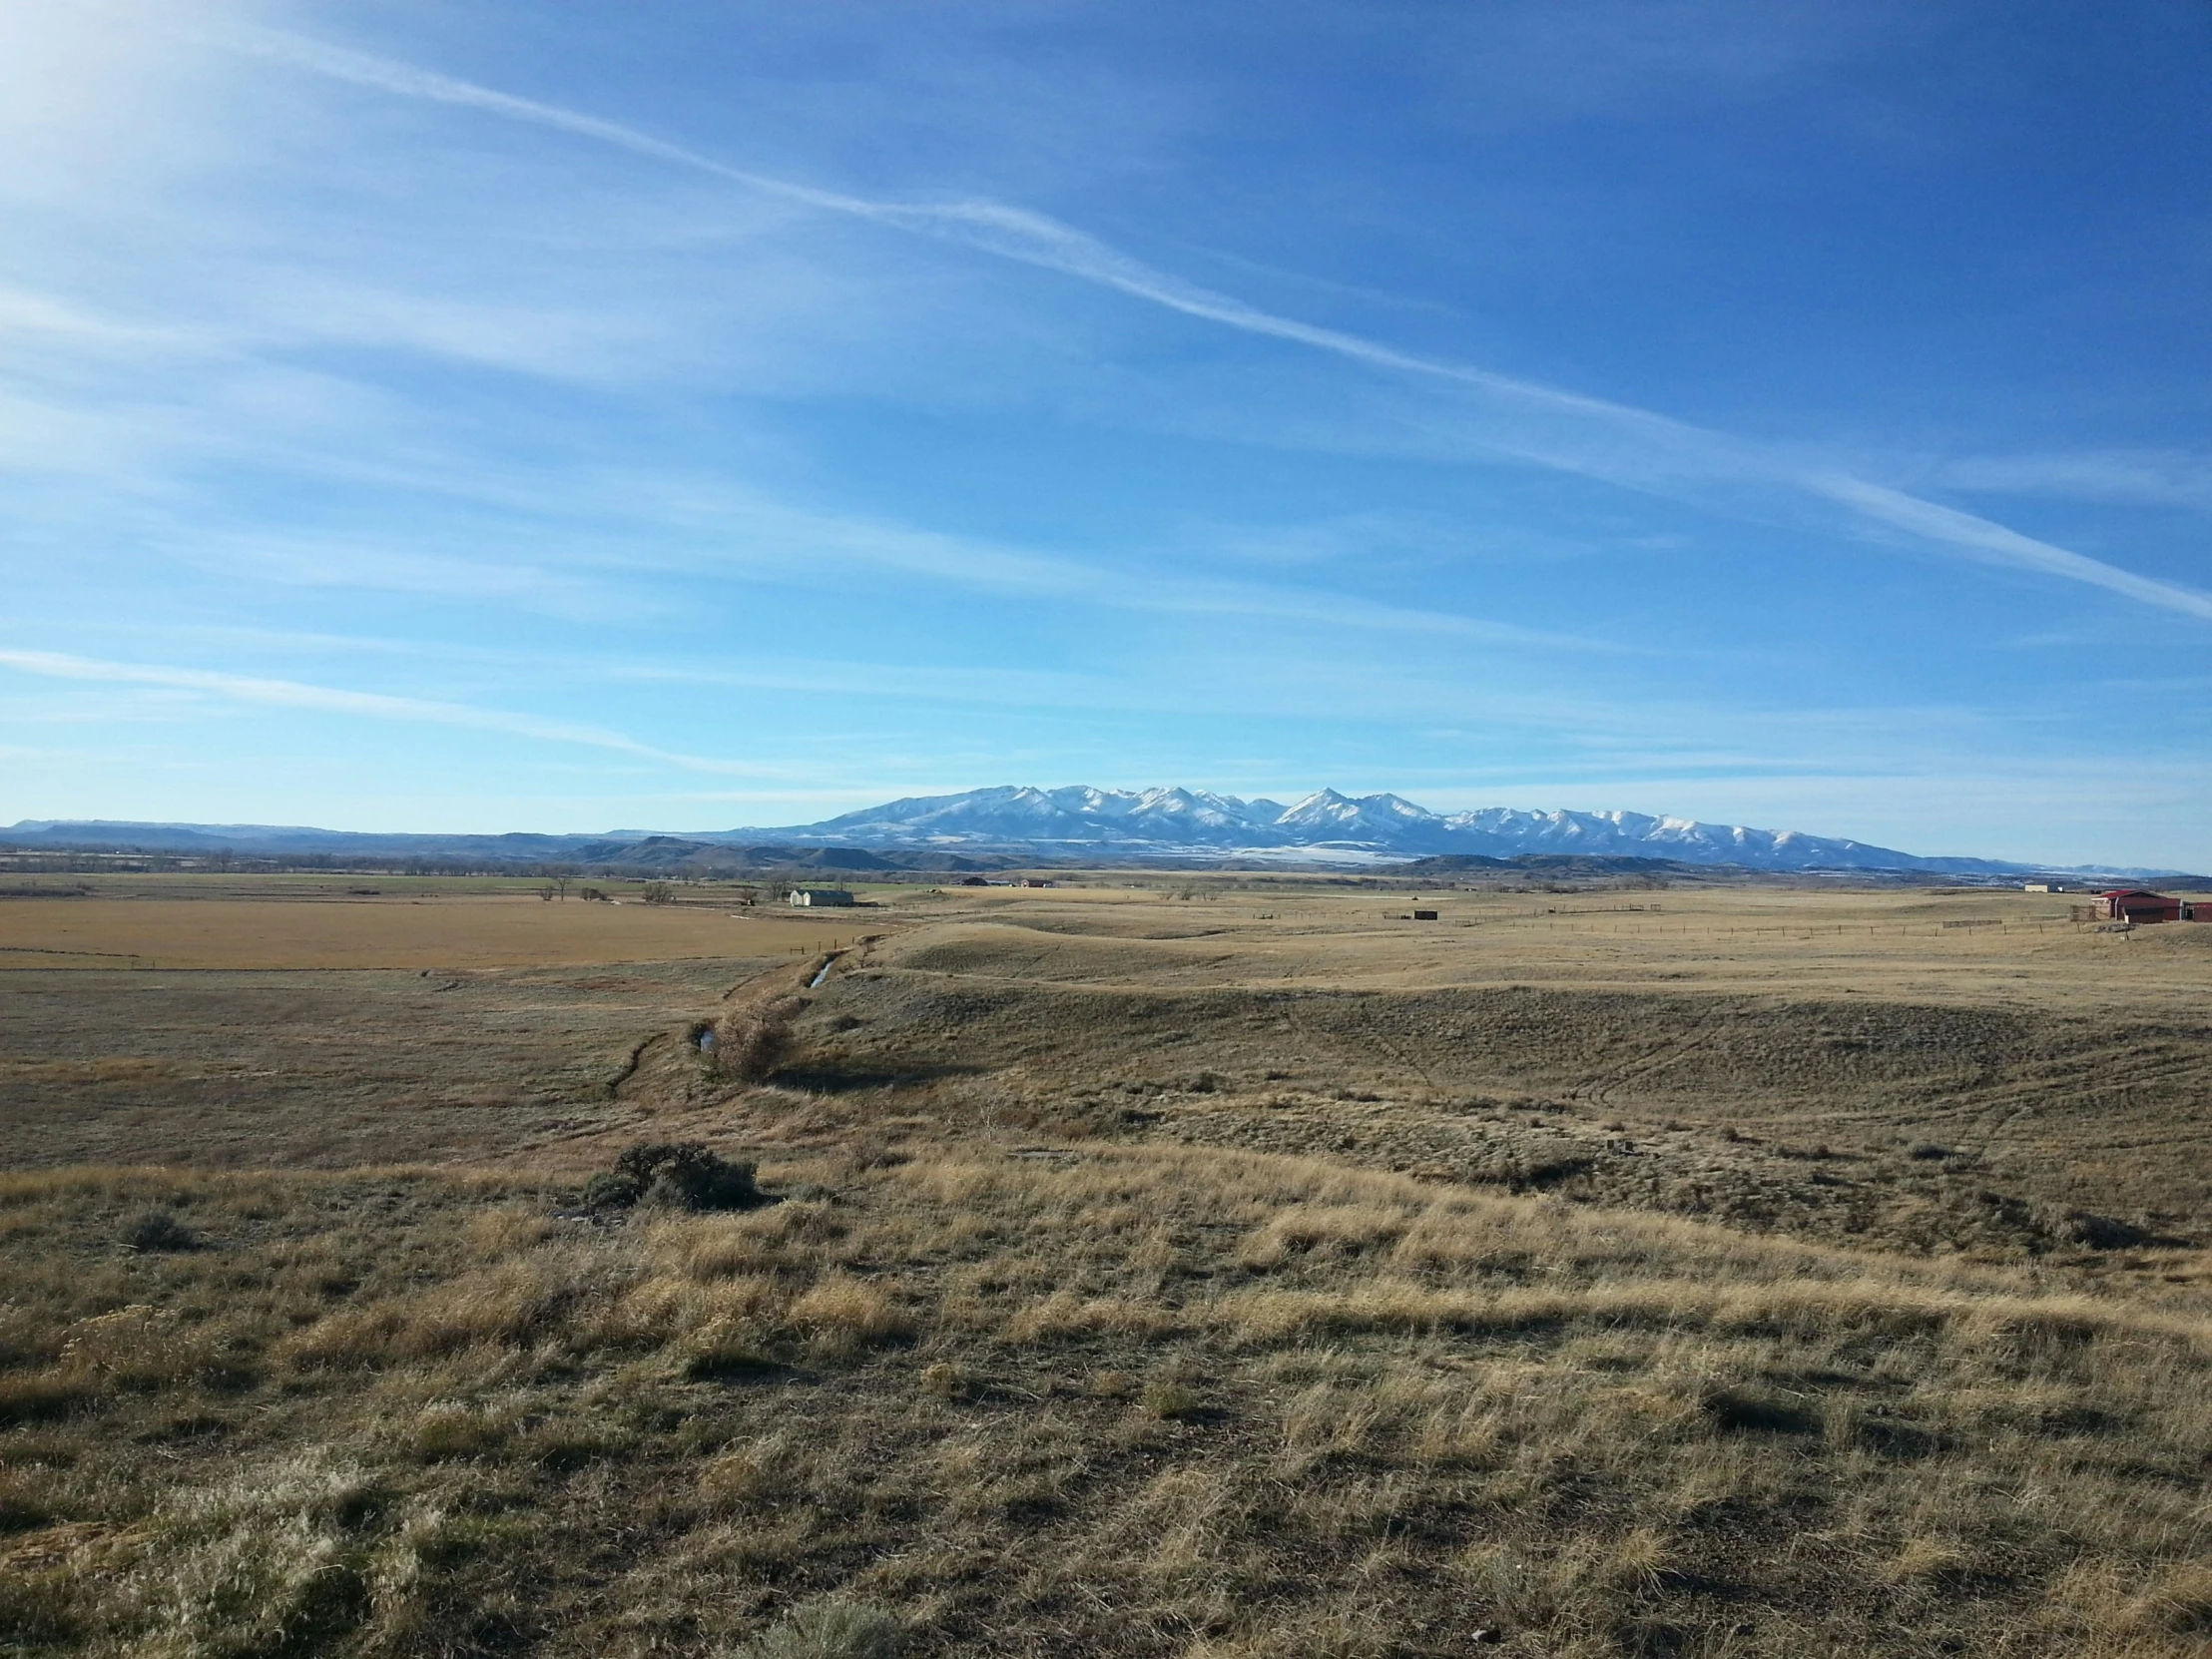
column 1598, row 1092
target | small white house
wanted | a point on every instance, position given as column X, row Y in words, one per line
column 2045, row 886
column 813, row 897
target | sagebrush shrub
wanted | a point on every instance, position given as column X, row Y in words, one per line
column 756, row 1039
column 681, row 1175
column 159, row 1229
column 609, row 1189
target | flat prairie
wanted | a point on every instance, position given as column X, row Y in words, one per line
column 1203, row 1267
column 294, row 925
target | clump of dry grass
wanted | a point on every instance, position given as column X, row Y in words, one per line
column 792, row 1239
column 831, row 1630
column 449, row 1429
column 1331, row 1230
column 1063, row 1316
column 844, row 1315
column 506, row 1229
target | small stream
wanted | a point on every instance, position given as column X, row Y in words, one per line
column 815, row 982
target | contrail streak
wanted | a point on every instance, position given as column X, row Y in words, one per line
column 1664, row 450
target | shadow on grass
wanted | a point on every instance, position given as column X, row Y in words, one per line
column 835, row 1077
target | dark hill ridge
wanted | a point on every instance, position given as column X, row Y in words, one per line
column 682, row 854
column 1555, row 863
column 994, row 828
column 618, row 851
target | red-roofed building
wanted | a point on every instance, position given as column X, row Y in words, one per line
column 2134, row 905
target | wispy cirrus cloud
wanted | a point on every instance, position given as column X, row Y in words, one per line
column 293, row 693
column 1993, row 543
column 1545, row 427
column 791, row 543
column 2124, row 477
column 705, row 527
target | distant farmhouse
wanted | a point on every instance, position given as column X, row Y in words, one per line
column 2136, row 906
column 816, row 897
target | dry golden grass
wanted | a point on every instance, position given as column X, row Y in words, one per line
column 1149, row 1278
column 336, row 1068
column 2015, row 950
column 1849, row 1067
column 405, row 1412
column 466, row 931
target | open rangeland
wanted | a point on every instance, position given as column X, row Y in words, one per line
column 1259, row 1272
column 382, row 923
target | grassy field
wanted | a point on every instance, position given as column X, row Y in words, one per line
column 1258, row 1273
column 280, row 923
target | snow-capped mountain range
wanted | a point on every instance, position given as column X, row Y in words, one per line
column 1165, row 821
column 1016, row 823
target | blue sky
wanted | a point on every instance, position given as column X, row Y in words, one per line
column 470, row 415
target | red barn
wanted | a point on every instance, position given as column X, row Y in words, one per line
column 2134, row 905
